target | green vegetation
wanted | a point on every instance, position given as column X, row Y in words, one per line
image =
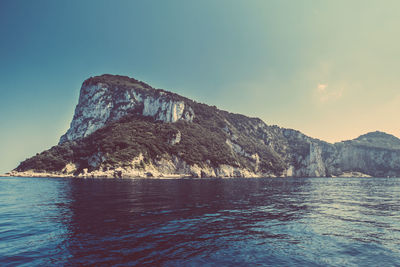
column 120, row 142
column 50, row 160
column 124, row 140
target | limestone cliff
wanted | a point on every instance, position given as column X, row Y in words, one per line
column 125, row 128
column 108, row 98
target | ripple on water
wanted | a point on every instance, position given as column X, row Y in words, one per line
column 216, row 222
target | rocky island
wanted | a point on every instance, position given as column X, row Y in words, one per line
column 123, row 127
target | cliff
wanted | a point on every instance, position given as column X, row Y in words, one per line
column 125, row 128
column 108, row 98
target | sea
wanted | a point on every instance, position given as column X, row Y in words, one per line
column 200, row 222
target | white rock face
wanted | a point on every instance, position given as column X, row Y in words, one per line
column 289, row 171
column 346, row 160
column 166, row 167
column 70, row 168
column 316, row 166
column 99, row 104
column 370, row 161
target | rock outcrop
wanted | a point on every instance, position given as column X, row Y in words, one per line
column 125, row 128
column 102, row 101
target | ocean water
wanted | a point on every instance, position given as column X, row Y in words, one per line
column 200, row 222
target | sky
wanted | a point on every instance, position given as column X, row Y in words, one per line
column 327, row 68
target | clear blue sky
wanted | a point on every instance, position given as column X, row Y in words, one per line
column 327, row 68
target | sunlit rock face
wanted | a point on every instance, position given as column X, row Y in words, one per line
column 102, row 101
column 372, row 160
column 374, row 154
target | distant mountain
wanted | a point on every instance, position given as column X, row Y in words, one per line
column 125, row 128
column 378, row 140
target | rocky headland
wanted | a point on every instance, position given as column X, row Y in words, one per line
column 123, row 127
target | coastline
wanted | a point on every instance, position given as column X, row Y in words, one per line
column 59, row 175
column 161, row 170
column 31, row 174
column 143, row 176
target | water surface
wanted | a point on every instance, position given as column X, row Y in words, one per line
column 197, row 222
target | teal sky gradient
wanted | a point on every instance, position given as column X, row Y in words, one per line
column 327, row 68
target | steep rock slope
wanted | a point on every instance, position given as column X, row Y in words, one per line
column 125, row 128
column 376, row 154
column 108, row 98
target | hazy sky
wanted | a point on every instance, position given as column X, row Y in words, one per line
column 327, row 68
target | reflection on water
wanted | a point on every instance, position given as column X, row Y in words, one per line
column 317, row 222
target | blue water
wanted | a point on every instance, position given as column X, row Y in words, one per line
column 200, row 222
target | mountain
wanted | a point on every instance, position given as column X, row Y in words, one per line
column 378, row 140
column 123, row 127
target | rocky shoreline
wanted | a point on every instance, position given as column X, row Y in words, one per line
column 124, row 175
